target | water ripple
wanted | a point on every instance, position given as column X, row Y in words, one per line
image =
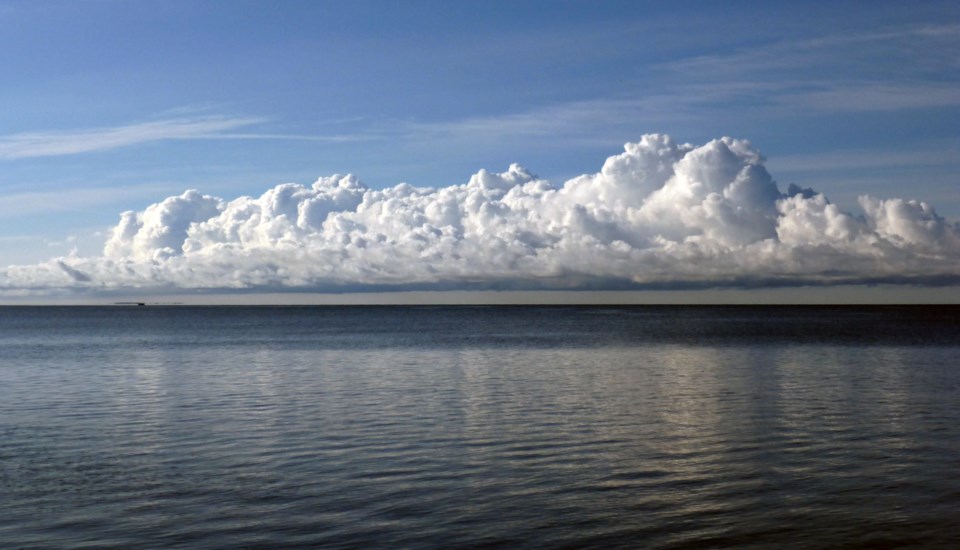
column 357, row 428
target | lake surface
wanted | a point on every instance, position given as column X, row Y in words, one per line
column 470, row 427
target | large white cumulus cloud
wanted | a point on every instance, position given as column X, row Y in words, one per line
column 660, row 214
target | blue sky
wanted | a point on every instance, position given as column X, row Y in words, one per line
column 113, row 105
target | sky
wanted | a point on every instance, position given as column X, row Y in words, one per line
column 171, row 147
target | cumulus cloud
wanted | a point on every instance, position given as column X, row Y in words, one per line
column 661, row 214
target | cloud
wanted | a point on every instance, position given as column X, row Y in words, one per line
column 46, row 144
column 870, row 96
column 925, row 46
column 878, row 71
column 29, row 203
column 859, row 160
column 661, row 214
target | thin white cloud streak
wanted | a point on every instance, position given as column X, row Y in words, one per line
column 341, row 138
column 589, row 121
column 46, row 144
column 827, row 52
column 550, row 120
column 20, row 239
column 869, row 96
column 30, row 203
column 760, row 80
column 575, row 123
column 891, row 70
column 659, row 215
column 838, row 78
column 865, row 159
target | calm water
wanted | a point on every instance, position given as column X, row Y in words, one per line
column 658, row 427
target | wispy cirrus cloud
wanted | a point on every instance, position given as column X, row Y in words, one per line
column 91, row 140
column 29, row 203
column 867, row 96
column 335, row 138
column 870, row 71
column 888, row 70
column 581, row 122
column 925, row 46
column 48, row 144
column 944, row 155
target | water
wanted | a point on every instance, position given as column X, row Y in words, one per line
column 439, row 427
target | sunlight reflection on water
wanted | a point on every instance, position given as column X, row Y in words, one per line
column 450, row 428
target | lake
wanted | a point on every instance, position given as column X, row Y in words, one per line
column 472, row 427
